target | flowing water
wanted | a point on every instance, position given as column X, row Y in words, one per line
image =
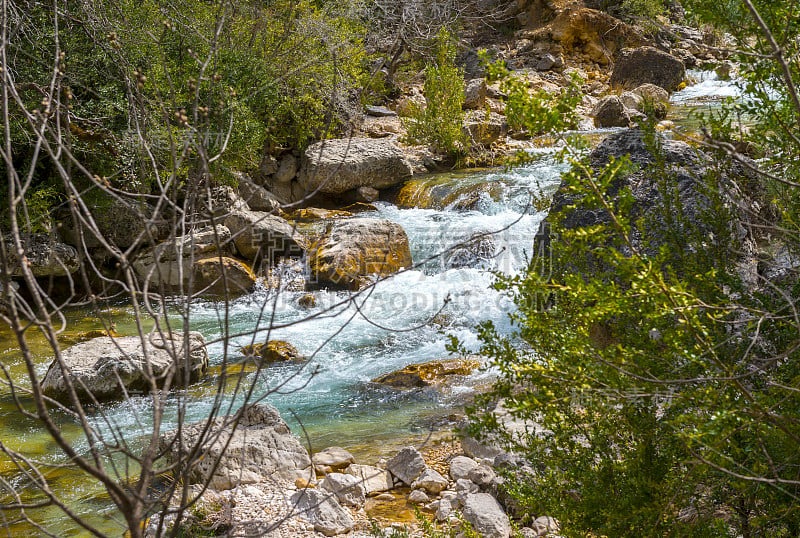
column 403, row 320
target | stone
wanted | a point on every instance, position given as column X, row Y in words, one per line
column 123, row 222
column 610, row 112
column 353, row 250
column 199, row 262
column 273, row 351
column 379, row 111
column 259, row 236
column 465, row 487
column 444, row 510
column 107, row 367
column 460, row 466
column 257, row 197
column 650, row 93
column 631, row 100
column 478, row 251
column 339, row 165
column 382, row 127
column 546, row 62
column 486, row 516
column 307, row 300
column 268, row 165
column 335, row 457
column 484, row 128
column 223, row 200
column 323, row 511
column 431, row 481
column 45, row 256
column 409, row 105
column 372, row 479
column 482, row 475
column 527, row 532
column 287, row 170
column 544, row 525
column 647, row 65
column 428, row 373
column 407, row 465
column 475, row 91
column 346, row 487
column 418, row 497
column 261, row 448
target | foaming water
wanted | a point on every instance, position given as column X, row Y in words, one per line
column 708, row 87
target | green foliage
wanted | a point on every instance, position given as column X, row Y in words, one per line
column 645, row 9
column 440, row 123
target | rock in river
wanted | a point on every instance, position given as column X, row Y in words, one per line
column 104, row 366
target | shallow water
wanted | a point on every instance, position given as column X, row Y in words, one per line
column 353, row 339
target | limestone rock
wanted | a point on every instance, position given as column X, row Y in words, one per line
column 460, row 466
column 544, row 525
column 262, row 236
column 103, row 367
column 45, row 256
column 346, row 487
column 333, row 457
column 611, row 112
column 257, row 197
column 431, row 481
column 273, row 351
column 261, row 446
column 287, row 170
column 482, row 475
column 222, row 277
column 475, row 93
column 486, row 516
column 425, row 374
column 407, row 465
column 373, row 479
column 418, row 497
column 352, row 250
column 652, row 94
column 321, row 509
column 484, row 128
column 379, row 111
column 647, row 65
column 339, row 165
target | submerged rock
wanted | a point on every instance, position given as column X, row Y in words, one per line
column 352, row 250
column 260, row 448
column 428, row 373
column 108, row 367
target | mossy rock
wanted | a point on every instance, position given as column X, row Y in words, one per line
column 71, row 339
column 273, row 351
column 428, row 373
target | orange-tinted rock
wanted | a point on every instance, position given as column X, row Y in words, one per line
column 428, row 373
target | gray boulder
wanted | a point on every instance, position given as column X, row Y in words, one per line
column 647, row 65
column 339, row 165
column 333, row 458
column 650, row 93
column 379, row 111
column 372, row 479
column 486, row 516
column 475, row 91
column 611, row 112
column 45, row 256
column 431, row 481
column 346, row 487
column 259, row 235
column 460, row 466
column 323, row 511
column 287, row 170
column 482, row 475
column 407, row 465
column 260, row 448
column 257, row 197
column 107, row 367
column 352, row 250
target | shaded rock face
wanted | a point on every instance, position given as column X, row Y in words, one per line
column 484, row 129
column 322, row 510
column 351, row 250
column 475, row 91
column 611, row 112
column 407, row 465
column 45, row 255
column 260, row 448
column 103, row 367
column 687, row 171
column 256, row 196
column 646, row 65
column 339, row 165
column 122, row 223
column 259, row 236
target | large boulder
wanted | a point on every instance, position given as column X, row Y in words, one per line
column 372, row 479
column 346, row 487
column 260, row 448
column 407, row 465
column 264, row 237
column 200, row 260
column 339, row 165
column 486, row 516
column 45, row 256
column 352, row 250
column 322, row 510
column 611, row 112
column 683, row 183
column 647, row 65
column 108, row 367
